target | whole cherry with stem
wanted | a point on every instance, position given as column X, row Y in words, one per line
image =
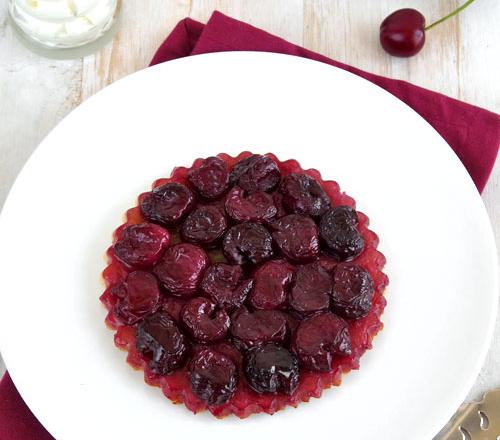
column 402, row 33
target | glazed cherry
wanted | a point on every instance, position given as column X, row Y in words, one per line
column 247, row 243
column 181, row 268
column 402, row 33
column 162, row 342
column 254, row 207
column 344, row 214
column 211, row 178
column 204, row 321
column 167, row 204
column 138, row 295
column 304, row 195
column 204, row 226
column 352, row 291
column 318, row 339
column 140, row 246
column 278, row 203
column 311, row 290
column 256, row 173
column 327, row 262
column 271, row 283
column 297, row 237
column 338, row 231
column 270, row 368
column 173, row 306
column 228, row 349
column 213, row 376
column 223, row 283
column 253, row 328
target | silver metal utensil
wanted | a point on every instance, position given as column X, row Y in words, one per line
column 475, row 421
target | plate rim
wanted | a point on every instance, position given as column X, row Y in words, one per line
column 44, row 144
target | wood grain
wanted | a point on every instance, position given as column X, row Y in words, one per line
column 461, row 58
column 142, row 28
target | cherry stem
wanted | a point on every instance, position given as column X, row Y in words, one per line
column 451, row 14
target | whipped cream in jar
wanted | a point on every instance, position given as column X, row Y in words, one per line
column 63, row 23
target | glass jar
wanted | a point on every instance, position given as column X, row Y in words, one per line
column 63, row 23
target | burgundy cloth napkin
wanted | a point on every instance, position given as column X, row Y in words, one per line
column 473, row 133
column 16, row 420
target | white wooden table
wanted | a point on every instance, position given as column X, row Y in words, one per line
column 461, row 58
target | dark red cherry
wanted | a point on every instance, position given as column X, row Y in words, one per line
column 204, row 321
column 352, row 291
column 272, row 369
column 402, row 33
column 227, row 348
column 162, row 342
column 297, row 237
column 204, row 226
column 140, row 295
column 254, row 207
column 211, row 178
column 140, row 246
column 213, row 376
column 173, row 306
column 311, row 290
column 181, row 268
column 271, row 284
column 167, row 204
column 318, row 339
column 255, row 173
column 339, row 233
column 225, row 285
column 304, row 195
column 247, row 243
column 250, row 329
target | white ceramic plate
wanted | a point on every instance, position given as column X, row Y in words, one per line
column 58, row 219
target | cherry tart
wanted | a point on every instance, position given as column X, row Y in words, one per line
column 244, row 284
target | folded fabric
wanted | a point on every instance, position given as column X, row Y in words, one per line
column 473, row 133
column 16, row 420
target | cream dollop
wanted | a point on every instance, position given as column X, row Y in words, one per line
column 63, row 23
